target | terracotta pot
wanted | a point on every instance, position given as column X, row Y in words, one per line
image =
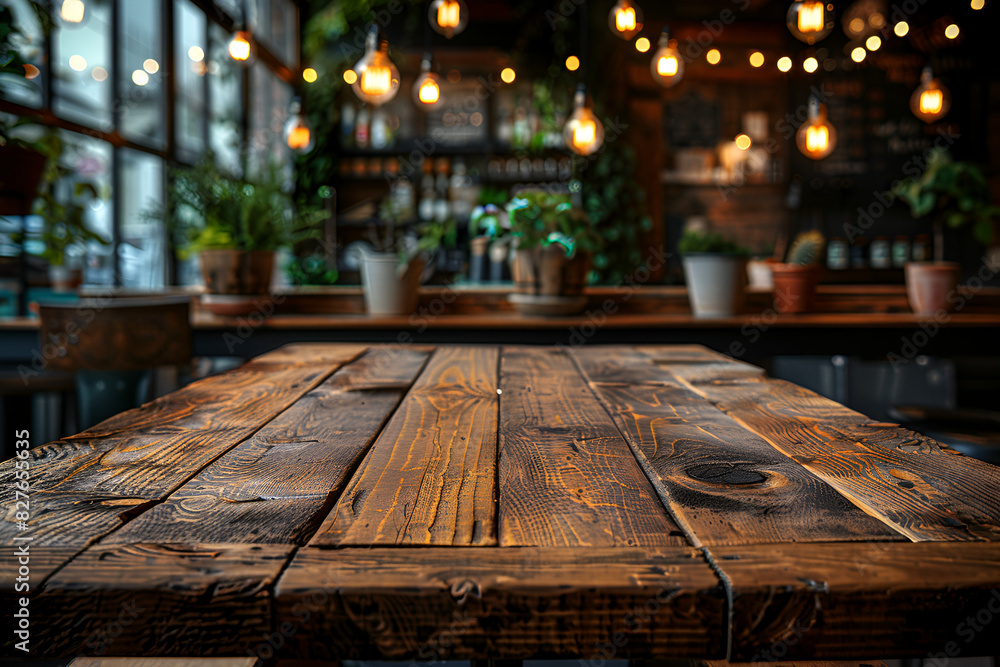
column 20, row 171
column 795, row 287
column 237, row 271
column 546, row 270
column 929, row 284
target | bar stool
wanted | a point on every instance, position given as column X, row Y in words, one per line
column 112, row 345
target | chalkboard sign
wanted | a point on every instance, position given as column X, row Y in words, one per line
column 691, row 122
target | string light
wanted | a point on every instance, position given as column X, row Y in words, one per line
column 77, row 63
column 714, row 56
column 309, row 75
column 572, row 63
column 951, row 32
column 427, row 88
column 625, row 19
column 901, row 29
column 809, row 20
column 667, row 66
column 873, row 43
column 816, row 137
column 977, row 4
column 350, row 76
column 196, row 54
column 784, row 63
column 931, row 100
column 448, row 17
column 297, row 133
column 507, row 75
column 140, row 78
column 642, row 45
column 810, row 64
column 584, row 132
column 756, row 59
column 377, row 77
column 743, row 142
column 239, row 47
column 72, row 11
column 858, row 54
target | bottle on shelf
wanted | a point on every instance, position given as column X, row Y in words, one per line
column 900, row 251
column 837, row 258
column 347, row 124
column 361, row 128
column 880, row 253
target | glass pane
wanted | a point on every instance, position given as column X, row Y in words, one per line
column 225, row 85
column 275, row 23
column 141, row 80
column 142, row 251
column 82, row 68
column 191, row 55
column 30, row 45
column 269, row 112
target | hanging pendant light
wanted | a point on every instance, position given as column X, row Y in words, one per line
column 427, row 87
column 931, row 101
column 667, row 65
column 377, row 77
column 625, row 19
column 298, row 134
column 240, row 49
column 810, row 20
column 448, row 17
column 816, row 137
column 583, row 132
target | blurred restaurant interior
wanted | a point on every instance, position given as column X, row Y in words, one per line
column 808, row 187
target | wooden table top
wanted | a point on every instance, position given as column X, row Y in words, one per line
column 331, row 501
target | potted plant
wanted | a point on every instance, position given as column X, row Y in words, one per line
column 554, row 242
column 795, row 280
column 954, row 194
column 715, row 272
column 234, row 225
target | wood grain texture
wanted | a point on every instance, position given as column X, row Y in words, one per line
column 157, row 600
column 912, row 483
column 696, row 364
column 567, row 477
column 89, row 484
column 725, row 483
column 430, row 478
column 804, row 601
column 277, row 486
column 446, row 603
column 163, row 662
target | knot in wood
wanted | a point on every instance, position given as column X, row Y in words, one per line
column 461, row 590
column 725, row 473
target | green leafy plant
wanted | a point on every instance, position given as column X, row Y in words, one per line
column 954, row 194
column 210, row 209
column 710, row 242
column 807, row 248
column 310, row 270
column 539, row 218
column 12, row 63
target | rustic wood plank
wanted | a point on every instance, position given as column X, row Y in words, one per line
column 158, row 600
column 277, row 486
column 696, row 364
column 725, row 483
column 447, row 603
column 567, row 478
column 909, row 481
column 430, row 477
column 838, row 600
column 88, row 485
column 163, row 662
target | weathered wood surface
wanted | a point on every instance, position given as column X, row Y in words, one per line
column 567, row 477
column 724, row 483
column 163, row 662
column 430, row 478
column 159, row 600
column 277, row 486
column 804, row 601
column 446, row 603
column 909, row 481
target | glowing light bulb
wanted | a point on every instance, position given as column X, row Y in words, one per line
column 901, row 29
column 239, row 47
column 448, row 17
column 377, row 78
column 507, row 75
column 756, row 59
column 714, row 57
column 977, row 4
column 72, row 11
column 642, row 45
column 743, row 142
column 584, row 132
column 784, row 63
column 426, row 89
column 350, row 76
column 297, row 133
column 858, row 54
column 810, row 64
column 625, row 19
column 951, row 32
column 309, row 75
column 931, row 100
column 667, row 66
column 816, row 137
column 873, row 43
column 809, row 20
column 572, row 63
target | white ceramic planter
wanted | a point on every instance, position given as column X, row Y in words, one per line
column 390, row 289
column 715, row 283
